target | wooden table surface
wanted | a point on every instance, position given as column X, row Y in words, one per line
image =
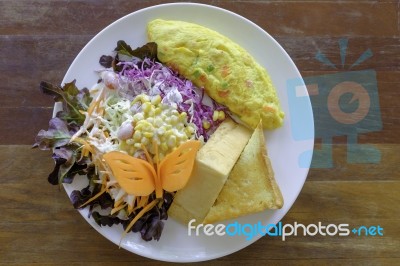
column 39, row 40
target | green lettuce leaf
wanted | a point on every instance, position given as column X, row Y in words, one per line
column 73, row 99
column 149, row 50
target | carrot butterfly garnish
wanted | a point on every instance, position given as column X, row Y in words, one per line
column 140, row 177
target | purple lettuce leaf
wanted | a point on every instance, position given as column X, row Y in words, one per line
column 57, row 135
column 64, row 158
column 105, row 220
column 79, row 197
column 152, row 230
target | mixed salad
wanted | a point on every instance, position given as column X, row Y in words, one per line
column 139, row 107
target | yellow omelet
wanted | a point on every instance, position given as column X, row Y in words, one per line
column 228, row 73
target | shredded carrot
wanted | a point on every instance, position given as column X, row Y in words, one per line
column 148, row 157
column 145, row 209
column 92, row 107
column 85, row 144
column 100, row 111
column 143, row 201
column 95, row 104
column 130, row 209
column 118, row 202
column 157, row 181
column 102, row 190
column 94, row 197
column 116, row 209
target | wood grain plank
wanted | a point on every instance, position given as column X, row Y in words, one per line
column 279, row 18
column 303, row 51
column 21, row 125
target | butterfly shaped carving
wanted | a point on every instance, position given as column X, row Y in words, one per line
column 140, row 177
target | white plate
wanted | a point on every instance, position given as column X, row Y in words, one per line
column 175, row 244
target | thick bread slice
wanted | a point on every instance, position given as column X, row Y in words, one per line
column 250, row 187
column 214, row 162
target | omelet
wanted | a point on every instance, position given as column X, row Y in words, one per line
column 227, row 72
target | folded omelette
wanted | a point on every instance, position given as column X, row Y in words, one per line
column 228, row 73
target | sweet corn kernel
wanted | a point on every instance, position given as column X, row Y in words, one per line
column 221, row 115
column 164, row 147
column 150, row 120
column 139, row 126
column 130, row 141
column 172, row 141
column 148, row 134
column 189, row 130
column 168, row 133
column 152, row 111
column 158, row 122
column 138, row 117
column 180, row 135
column 161, row 131
column 145, row 141
column 156, row 100
column 183, row 116
column 206, row 124
column 146, row 107
column 137, row 135
column 174, row 120
column 158, row 111
column 142, row 98
column 215, row 115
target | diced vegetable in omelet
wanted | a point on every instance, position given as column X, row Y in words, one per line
column 229, row 74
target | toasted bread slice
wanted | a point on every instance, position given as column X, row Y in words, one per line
column 250, row 187
column 213, row 164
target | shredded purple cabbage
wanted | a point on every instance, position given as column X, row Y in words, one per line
column 153, row 78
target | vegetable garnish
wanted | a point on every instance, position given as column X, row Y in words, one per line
column 139, row 177
column 133, row 136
